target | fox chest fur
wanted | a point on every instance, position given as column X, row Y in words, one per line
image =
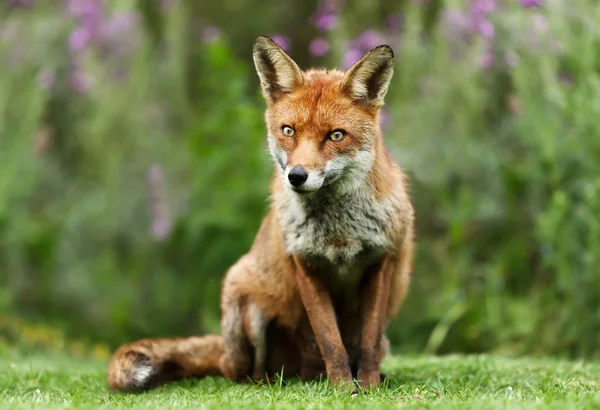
column 339, row 233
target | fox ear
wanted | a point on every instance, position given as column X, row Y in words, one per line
column 278, row 73
column 367, row 81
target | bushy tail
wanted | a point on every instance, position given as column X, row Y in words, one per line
column 150, row 362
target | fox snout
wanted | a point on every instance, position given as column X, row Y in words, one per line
column 303, row 180
column 297, row 176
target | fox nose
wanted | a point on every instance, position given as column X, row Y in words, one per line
column 297, row 176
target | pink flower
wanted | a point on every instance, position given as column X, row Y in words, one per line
column 319, row 47
column 395, row 22
column 89, row 14
column 482, row 7
column 531, row 3
column 455, row 25
column 326, row 22
column 161, row 221
column 351, row 57
column 282, row 41
column 486, row 29
column 79, row 38
column 480, row 10
column 331, row 5
column 85, row 9
column 370, row 39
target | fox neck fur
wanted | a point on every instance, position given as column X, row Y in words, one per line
column 343, row 227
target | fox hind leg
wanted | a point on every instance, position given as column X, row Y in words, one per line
column 244, row 329
column 236, row 361
column 257, row 331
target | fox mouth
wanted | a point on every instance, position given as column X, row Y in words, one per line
column 306, row 191
column 303, row 192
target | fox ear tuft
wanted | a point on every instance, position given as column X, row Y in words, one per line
column 367, row 81
column 278, row 73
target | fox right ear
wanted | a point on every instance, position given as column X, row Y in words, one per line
column 278, row 73
column 367, row 81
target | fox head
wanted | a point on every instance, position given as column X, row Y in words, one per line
column 322, row 125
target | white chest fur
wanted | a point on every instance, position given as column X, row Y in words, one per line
column 335, row 227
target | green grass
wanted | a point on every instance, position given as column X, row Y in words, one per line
column 455, row 382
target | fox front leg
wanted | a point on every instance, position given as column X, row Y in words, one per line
column 321, row 314
column 374, row 302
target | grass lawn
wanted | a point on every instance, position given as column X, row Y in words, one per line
column 456, row 382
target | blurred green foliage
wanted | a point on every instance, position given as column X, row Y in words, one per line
column 134, row 172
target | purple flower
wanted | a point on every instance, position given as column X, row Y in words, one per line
column 85, row 9
column 211, row 34
column 330, row 6
column 161, row 222
column 318, row 47
column 531, row 3
column 89, row 14
column 351, row 57
column 395, row 22
column 455, row 25
column 161, row 228
column 480, row 9
column 282, row 41
column 486, row 29
column 79, row 38
column 326, row 22
column 370, row 39
column 112, row 35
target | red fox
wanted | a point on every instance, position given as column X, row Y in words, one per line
column 331, row 262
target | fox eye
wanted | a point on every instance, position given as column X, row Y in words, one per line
column 288, row 131
column 337, row 135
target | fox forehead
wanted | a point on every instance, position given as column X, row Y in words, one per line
column 319, row 105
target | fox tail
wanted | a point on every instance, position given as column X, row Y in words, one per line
column 150, row 362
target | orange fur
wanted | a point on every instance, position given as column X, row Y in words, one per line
column 315, row 292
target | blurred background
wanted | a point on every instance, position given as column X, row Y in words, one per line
column 134, row 171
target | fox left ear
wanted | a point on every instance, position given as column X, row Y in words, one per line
column 278, row 73
column 367, row 81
